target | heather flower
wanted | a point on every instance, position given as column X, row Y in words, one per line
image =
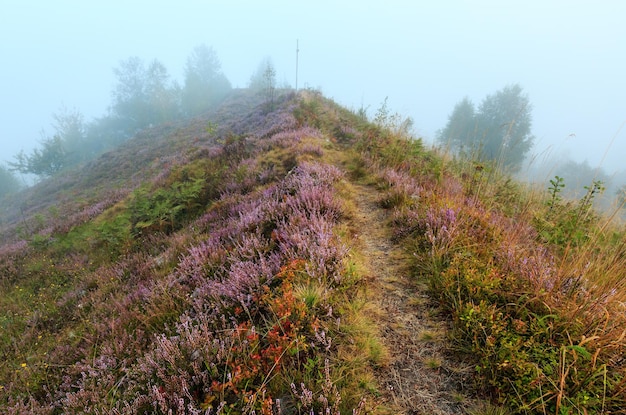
column 288, row 138
column 408, row 222
column 402, row 183
column 440, row 228
column 240, row 284
column 535, row 265
column 19, row 247
column 313, row 238
column 274, row 122
column 348, row 131
column 326, row 174
column 215, row 326
column 200, row 257
column 28, row 406
column 305, row 396
column 313, row 200
column 323, row 339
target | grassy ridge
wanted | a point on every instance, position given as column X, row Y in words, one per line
column 206, row 268
column 216, row 285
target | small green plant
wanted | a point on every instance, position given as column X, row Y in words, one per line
column 114, row 233
column 488, row 409
column 211, row 128
column 163, row 209
column 393, row 123
column 568, row 224
column 382, row 114
column 556, row 186
column 429, row 336
column 433, row 362
column 311, row 293
column 586, row 203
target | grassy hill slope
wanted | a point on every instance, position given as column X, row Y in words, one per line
column 295, row 258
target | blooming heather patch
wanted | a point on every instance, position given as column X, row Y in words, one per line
column 165, row 165
column 276, row 121
column 400, row 188
column 401, row 182
column 225, row 328
column 261, row 124
column 441, row 227
column 537, row 266
column 232, row 347
column 19, row 247
column 287, row 138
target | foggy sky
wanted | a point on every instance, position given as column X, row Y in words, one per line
column 569, row 56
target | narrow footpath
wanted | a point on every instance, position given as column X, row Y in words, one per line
column 421, row 377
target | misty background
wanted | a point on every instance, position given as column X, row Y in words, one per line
column 568, row 56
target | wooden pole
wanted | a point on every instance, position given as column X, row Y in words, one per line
column 297, row 51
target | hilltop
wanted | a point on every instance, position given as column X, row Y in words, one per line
column 289, row 256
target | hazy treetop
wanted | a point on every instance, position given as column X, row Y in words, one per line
column 426, row 56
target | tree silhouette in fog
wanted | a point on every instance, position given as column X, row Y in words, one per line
column 500, row 130
column 205, row 84
column 143, row 95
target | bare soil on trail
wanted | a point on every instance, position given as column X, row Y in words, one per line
column 421, row 375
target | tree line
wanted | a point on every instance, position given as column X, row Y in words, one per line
column 144, row 95
column 499, row 130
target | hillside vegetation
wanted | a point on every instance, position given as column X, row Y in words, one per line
column 295, row 258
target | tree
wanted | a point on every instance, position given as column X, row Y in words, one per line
column 269, row 75
column 143, row 96
column 43, row 162
column 205, row 84
column 69, row 146
column 129, row 100
column 504, row 121
column 162, row 96
column 500, row 130
column 105, row 133
column 264, row 81
column 264, row 77
column 8, row 182
column 69, row 126
column 461, row 126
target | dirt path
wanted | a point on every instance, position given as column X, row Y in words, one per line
column 420, row 377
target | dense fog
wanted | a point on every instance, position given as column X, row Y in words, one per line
column 66, row 59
